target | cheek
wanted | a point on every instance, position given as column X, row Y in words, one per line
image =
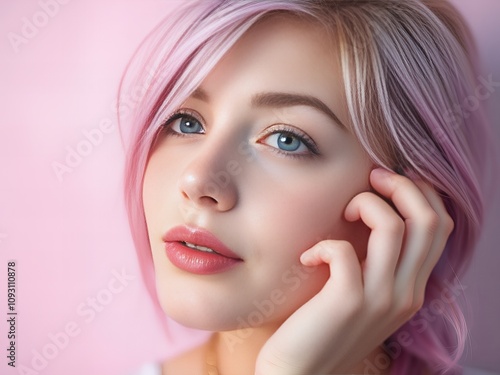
column 158, row 194
column 290, row 223
column 152, row 198
column 298, row 218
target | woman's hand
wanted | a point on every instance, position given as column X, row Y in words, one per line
column 362, row 304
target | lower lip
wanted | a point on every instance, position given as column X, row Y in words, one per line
column 196, row 261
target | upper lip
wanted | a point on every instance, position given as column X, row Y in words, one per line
column 199, row 237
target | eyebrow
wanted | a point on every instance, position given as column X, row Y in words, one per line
column 280, row 100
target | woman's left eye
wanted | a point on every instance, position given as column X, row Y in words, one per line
column 288, row 142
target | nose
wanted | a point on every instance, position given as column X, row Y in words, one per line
column 208, row 181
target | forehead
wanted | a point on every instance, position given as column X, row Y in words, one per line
column 281, row 53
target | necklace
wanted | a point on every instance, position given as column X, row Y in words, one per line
column 211, row 356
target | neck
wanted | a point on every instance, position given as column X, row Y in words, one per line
column 235, row 352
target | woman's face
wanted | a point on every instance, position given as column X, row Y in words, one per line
column 257, row 159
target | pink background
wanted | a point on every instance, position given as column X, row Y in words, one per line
column 69, row 238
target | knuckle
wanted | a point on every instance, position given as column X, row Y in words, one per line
column 448, row 224
column 431, row 221
column 409, row 305
column 418, row 303
column 344, row 246
column 339, row 249
column 322, row 245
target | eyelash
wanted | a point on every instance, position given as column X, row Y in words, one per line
column 273, row 129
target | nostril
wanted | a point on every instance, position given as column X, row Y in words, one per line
column 196, row 187
column 208, row 200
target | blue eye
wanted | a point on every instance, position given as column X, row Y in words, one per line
column 183, row 123
column 188, row 125
column 288, row 143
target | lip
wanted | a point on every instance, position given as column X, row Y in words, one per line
column 197, row 261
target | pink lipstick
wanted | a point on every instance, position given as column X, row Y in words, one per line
column 198, row 251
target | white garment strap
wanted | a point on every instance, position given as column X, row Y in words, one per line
column 148, row 369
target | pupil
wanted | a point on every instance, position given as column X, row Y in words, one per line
column 288, row 142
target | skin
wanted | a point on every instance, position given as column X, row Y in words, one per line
column 301, row 223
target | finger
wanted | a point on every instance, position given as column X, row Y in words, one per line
column 385, row 241
column 345, row 270
column 420, row 221
column 444, row 228
column 406, row 196
column 326, row 318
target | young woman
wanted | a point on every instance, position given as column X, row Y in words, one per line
column 302, row 182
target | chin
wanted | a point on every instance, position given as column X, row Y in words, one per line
column 198, row 312
column 200, row 321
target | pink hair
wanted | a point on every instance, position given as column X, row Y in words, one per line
column 407, row 73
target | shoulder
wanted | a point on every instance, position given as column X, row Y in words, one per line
column 190, row 362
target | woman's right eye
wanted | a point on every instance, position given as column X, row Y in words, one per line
column 185, row 124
